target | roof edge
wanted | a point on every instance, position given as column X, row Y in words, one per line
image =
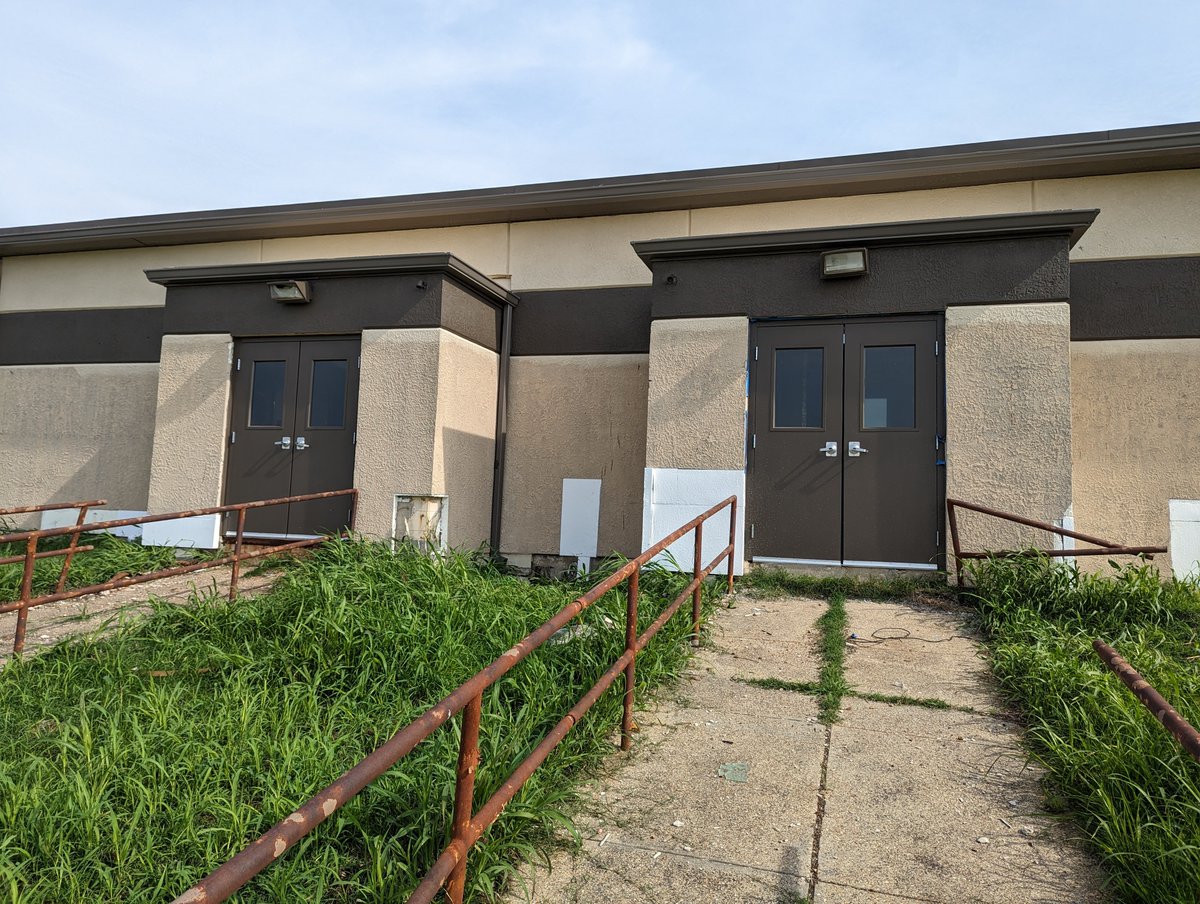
column 435, row 262
column 1069, row 223
column 1175, row 146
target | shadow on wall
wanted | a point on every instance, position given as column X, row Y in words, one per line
column 467, row 461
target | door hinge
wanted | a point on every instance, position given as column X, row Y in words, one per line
column 753, row 440
column 756, row 353
column 232, row 437
column 238, row 367
column 937, row 348
column 354, row 438
column 752, row 531
column 360, row 362
column 937, row 537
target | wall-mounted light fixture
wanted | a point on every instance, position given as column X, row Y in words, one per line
column 846, row 262
column 292, row 291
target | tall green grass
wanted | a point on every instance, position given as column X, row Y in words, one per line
column 1135, row 792
column 131, row 765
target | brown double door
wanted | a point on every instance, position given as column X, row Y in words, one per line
column 845, row 457
column 295, row 406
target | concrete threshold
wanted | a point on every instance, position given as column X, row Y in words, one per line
column 738, row 793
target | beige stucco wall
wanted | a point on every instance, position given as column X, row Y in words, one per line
column 696, row 411
column 1134, row 444
column 192, row 416
column 464, row 450
column 426, row 426
column 581, row 416
column 1008, row 417
column 588, row 251
column 105, row 279
column 76, row 431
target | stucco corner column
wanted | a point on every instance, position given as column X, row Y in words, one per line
column 1008, row 417
column 191, row 422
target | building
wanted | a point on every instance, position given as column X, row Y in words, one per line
column 1013, row 323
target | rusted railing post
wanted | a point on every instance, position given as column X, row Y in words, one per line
column 236, row 570
column 26, row 593
column 464, row 794
column 353, row 509
column 697, row 568
column 66, row 566
column 732, row 543
column 631, row 609
column 952, row 516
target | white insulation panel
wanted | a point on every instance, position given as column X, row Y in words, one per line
column 674, row 496
column 1185, row 537
column 579, row 526
column 68, row 517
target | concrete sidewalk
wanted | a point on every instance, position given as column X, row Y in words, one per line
column 735, row 793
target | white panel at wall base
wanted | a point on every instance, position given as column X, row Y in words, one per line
column 197, row 532
column 1185, row 537
column 68, row 518
column 674, row 496
column 579, row 527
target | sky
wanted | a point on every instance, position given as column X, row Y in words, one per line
column 126, row 108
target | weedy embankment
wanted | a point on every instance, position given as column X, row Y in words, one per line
column 1135, row 792
column 131, row 764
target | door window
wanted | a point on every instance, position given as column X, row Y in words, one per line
column 889, row 383
column 799, row 389
column 266, row 394
column 327, row 406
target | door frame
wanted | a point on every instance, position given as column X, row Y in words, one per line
column 230, row 411
column 939, row 318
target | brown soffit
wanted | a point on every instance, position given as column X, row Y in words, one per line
column 1054, row 157
column 438, row 262
column 1070, row 223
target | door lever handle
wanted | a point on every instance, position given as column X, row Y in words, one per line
column 284, row 443
column 856, row 449
column 301, row 445
column 830, row 449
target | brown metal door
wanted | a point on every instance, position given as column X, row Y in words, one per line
column 259, row 465
column 293, row 428
column 326, row 421
column 844, row 449
column 891, row 505
column 795, row 485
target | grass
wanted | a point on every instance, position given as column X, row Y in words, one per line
column 1133, row 789
column 832, row 686
column 111, row 556
column 132, row 764
column 814, row 688
column 776, row 580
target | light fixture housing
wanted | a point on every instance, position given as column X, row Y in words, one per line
column 292, row 291
column 843, row 262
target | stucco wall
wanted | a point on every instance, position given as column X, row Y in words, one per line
column 192, row 416
column 397, row 421
column 464, row 450
column 1008, row 417
column 77, row 431
column 697, row 401
column 575, row 416
column 1134, row 444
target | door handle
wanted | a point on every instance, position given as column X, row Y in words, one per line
column 285, row 443
column 301, row 445
column 830, row 449
column 855, row 449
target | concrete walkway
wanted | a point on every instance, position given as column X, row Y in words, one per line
column 736, row 793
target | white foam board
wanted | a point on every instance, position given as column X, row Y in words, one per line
column 674, row 496
column 579, row 524
column 68, row 517
column 1184, row 515
column 197, row 532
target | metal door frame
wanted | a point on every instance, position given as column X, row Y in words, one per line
column 939, row 317
column 298, row 338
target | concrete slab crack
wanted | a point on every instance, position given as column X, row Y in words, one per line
column 820, row 818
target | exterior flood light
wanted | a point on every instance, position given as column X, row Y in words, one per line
column 293, row 291
column 848, row 262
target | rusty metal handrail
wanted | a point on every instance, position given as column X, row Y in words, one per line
column 71, row 549
column 1162, row 711
column 468, row 824
column 1107, row 547
column 51, row 507
column 28, row 601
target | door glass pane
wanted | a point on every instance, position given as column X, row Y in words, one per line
column 799, row 387
column 328, row 406
column 266, row 394
column 889, row 387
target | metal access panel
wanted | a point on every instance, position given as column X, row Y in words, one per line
column 293, row 431
column 846, row 451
